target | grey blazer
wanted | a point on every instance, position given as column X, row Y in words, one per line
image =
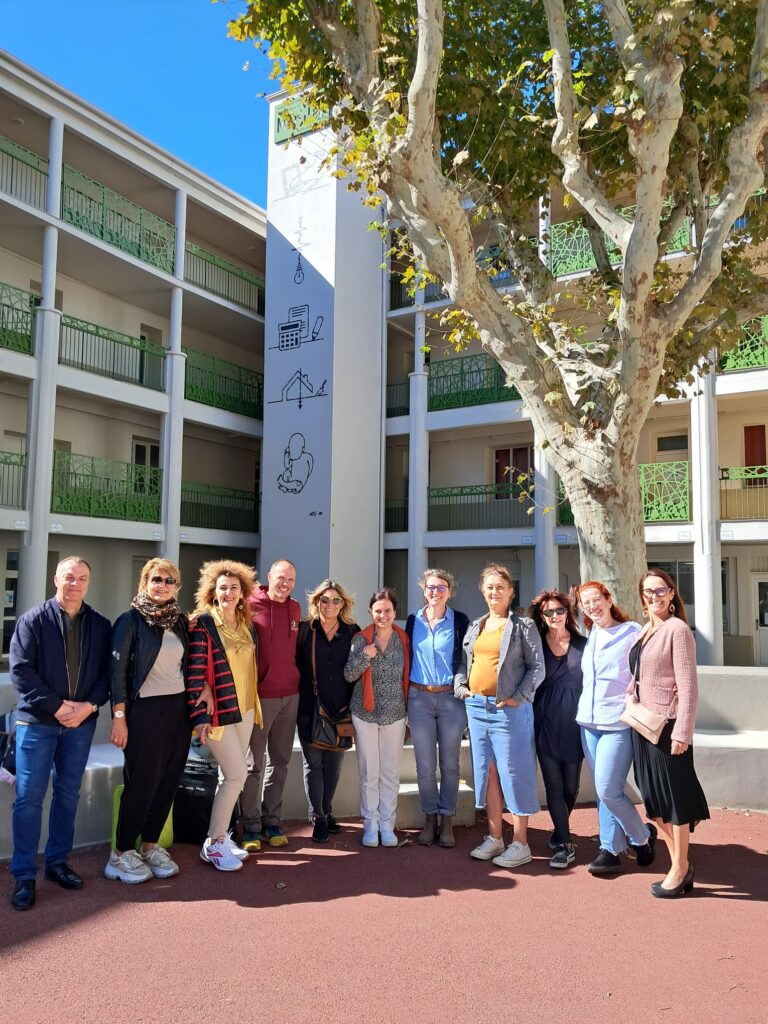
column 521, row 660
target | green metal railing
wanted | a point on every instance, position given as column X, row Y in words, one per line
column 219, row 508
column 398, row 399
column 23, row 174
column 11, row 480
column 752, row 351
column 97, row 210
column 744, row 492
column 396, row 515
column 111, row 354
column 224, row 385
column 217, row 275
column 480, row 507
column 401, row 298
column 467, row 380
column 665, row 491
column 17, row 311
column 88, row 486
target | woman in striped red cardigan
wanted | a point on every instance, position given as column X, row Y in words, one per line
column 222, row 656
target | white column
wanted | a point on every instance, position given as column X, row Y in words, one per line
column 418, row 461
column 172, row 434
column 546, row 556
column 705, row 500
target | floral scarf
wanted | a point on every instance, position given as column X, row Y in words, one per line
column 165, row 615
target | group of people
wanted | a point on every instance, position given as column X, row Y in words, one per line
column 243, row 671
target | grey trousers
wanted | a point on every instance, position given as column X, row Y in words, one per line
column 276, row 741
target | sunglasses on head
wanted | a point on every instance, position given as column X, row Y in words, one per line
column 168, row 580
column 550, row 613
column 331, row 600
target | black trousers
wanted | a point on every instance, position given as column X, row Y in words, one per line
column 155, row 754
column 561, row 783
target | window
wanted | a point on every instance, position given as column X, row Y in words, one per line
column 755, row 453
column 36, row 286
column 149, row 333
column 509, row 465
column 672, row 443
column 682, row 573
column 146, row 456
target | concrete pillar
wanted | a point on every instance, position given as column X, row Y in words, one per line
column 172, row 434
column 418, row 463
column 55, row 158
column 180, row 222
column 705, row 513
column 546, row 556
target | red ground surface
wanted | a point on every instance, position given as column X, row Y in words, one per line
column 341, row 933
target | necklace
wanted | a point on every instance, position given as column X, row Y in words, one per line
column 330, row 633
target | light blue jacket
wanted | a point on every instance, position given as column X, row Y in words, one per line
column 606, row 674
column 521, row 660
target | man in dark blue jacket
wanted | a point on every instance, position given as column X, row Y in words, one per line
column 60, row 653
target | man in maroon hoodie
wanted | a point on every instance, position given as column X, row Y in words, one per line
column 276, row 618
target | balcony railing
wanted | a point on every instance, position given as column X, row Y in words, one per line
column 17, row 309
column 396, row 515
column 744, row 492
column 398, row 399
column 224, row 385
column 219, row 276
column 665, row 491
column 219, row 508
column 88, row 486
column 467, row 380
column 400, row 296
column 23, row 174
column 480, row 507
column 97, row 210
column 11, row 480
column 752, row 351
column 109, row 353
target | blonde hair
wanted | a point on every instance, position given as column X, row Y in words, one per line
column 161, row 566
column 442, row 574
column 313, row 601
column 494, row 569
column 205, row 596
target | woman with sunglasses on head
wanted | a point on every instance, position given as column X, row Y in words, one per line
column 324, row 640
column 436, row 718
column 663, row 665
column 558, row 739
column 379, row 665
column 150, row 720
column 606, row 740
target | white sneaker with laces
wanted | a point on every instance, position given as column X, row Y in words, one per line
column 128, row 867
column 160, row 863
column 370, row 834
column 514, row 855
column 238, row 851
column 489, row 848
column 220, row 855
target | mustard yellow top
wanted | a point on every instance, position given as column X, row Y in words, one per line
column 241, row 655
column 485, row 662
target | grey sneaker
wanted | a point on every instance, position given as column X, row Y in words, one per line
column 514, row 855
column 128, row 867
column 159, row 862
column 488, row 849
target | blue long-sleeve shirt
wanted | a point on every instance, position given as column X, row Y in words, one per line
column 606, row 674
column 432, row 650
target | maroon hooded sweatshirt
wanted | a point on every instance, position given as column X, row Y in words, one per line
column 277, row 623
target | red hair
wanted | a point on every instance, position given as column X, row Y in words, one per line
column 616, row 613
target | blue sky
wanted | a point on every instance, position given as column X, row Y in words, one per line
column 163, row 67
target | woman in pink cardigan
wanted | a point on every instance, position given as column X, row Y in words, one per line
column 663, row 663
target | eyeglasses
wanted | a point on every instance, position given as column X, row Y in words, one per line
column 657, row 592
column 439, row 587
column 168, row 580
column 331, row 600
column 550, row 613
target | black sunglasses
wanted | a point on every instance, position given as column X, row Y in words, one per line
column 168, row 580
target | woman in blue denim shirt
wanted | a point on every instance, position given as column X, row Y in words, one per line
column 504, row 665
column 436, row 718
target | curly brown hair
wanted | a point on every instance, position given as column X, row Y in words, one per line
column 210, row 572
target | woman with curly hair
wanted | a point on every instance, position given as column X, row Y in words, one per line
column 322, row 650
column 222, row 656
column 558, row 740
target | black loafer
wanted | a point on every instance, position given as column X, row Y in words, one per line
column 63, row 875
column 23, row 894
column 606, row 863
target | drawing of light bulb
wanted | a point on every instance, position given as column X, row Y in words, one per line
column 298, row 277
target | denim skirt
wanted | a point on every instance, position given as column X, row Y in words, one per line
column 505, row 736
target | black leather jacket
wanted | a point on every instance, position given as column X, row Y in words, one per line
column 135, row 647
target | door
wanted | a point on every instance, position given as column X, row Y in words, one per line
column 761, row 619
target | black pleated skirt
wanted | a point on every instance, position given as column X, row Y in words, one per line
column 668, row 785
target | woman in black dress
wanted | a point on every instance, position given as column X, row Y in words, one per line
column 558, row 739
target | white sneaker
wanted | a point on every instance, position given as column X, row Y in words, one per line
column 514, row 855
column 220, row 855
column 128, row 867
column 388, row 837
column 238, row 851
column 160, row 863
column 370, row 835
column 488, row 848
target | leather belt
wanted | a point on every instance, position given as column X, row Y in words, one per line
column 432, row 689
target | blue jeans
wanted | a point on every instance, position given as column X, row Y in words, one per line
column 609, row 755
column 503, row 735
column 437, row 722
column 40, row 749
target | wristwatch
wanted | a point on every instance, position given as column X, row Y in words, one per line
column 118, row 714
column 94, row 709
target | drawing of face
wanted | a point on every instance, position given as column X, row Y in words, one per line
column 295, row 446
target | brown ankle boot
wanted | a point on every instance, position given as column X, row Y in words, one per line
column 427, row 835
column 446, row 831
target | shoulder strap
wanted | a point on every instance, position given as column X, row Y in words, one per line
column 314, row 659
